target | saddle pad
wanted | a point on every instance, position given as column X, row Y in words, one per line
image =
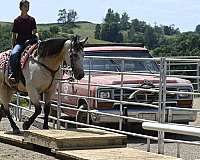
column 4, row 57
column 28, row 52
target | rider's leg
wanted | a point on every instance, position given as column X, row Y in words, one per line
column 15, row 59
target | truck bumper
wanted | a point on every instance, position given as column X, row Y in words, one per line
column 176, row 116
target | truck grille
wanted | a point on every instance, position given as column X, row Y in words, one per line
column 144, row 96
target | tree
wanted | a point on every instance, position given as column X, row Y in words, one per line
column 97, row 33
column 110, row 29
column 54, row 29
column 197, row 28
column 71, row 16
column 150, row 37
column 5, row 37
column 45, row 34
column 131, row 33
column 62, row 16
column 116, row 17
column 105, row 31
column 170, row 30
column 110, row 16
column 124, row 21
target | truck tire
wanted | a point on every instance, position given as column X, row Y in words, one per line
column 82, row 116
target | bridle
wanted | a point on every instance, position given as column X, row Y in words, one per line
column 53, row 72
column 74, row 46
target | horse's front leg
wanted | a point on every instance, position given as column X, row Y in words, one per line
column 12, row 123
column 35, row 99
column 30, row 121
column 47, row 106
column 46, row 114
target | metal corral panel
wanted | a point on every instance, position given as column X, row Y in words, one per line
column 75, row 138
column 113, row 154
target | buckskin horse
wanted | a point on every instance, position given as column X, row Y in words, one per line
column 40, row 74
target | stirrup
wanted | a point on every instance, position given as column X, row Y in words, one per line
column 12, row 81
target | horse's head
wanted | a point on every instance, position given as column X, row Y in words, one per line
column 76, row 57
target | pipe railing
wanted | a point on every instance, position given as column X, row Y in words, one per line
column 162, row 91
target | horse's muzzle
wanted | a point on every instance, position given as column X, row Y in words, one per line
column 79, row 76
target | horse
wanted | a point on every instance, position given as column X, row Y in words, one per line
column 40, row 73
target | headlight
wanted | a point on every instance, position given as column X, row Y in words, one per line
column 104, row 94
column 183, row 95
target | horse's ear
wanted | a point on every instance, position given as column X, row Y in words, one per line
column 41, row 48
column 83, row 41
column 75, row 39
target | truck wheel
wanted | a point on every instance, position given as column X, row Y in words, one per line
column 82, row 116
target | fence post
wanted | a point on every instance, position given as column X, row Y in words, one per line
column 125, row 121
column 89, row 85
column 178, row 150
column 59, row 100
column 16, row 109
column 121, row 96
column 162, row 101
column 198, row 87
column 148, row 144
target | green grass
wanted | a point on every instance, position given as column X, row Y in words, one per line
column 87, row 29
column 83, row 29
column 5, row 23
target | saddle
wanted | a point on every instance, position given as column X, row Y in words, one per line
column 29, row 51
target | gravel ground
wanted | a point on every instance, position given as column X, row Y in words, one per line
column 10, row 152
column 188, row 152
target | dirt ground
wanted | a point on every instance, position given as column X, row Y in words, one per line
column 196, row 105
column 10, row 152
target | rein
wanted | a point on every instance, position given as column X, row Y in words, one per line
column 53, row 72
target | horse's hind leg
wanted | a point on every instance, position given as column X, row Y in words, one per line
column 6, row 95
column 2, row 114
column 12, row 123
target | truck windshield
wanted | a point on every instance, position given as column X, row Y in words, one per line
column 147, row 66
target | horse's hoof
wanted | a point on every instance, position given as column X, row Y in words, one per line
column 26, row 125
column 16, row 131
column 45, row 127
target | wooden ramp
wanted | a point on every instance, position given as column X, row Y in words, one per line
column 81, row 144
column 113, row 154
column 81, row 138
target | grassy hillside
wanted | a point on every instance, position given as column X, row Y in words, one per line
column 87, row 29
column 84, row 29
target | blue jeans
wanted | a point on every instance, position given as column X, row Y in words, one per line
column 15, row 59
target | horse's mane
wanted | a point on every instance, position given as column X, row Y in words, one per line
column 51, row 47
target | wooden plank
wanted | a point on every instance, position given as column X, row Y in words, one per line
column 112, row 154
column 9, row 136
column 16, row 140
column 80, row 138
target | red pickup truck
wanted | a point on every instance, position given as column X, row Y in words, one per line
column 104, row 85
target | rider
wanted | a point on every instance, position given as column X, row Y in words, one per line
column 24, row 28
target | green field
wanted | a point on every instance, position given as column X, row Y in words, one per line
column 83, row 29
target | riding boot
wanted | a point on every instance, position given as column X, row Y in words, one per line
column 15, row 63
column 13, row 77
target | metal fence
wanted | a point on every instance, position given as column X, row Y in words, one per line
column 165, row 67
